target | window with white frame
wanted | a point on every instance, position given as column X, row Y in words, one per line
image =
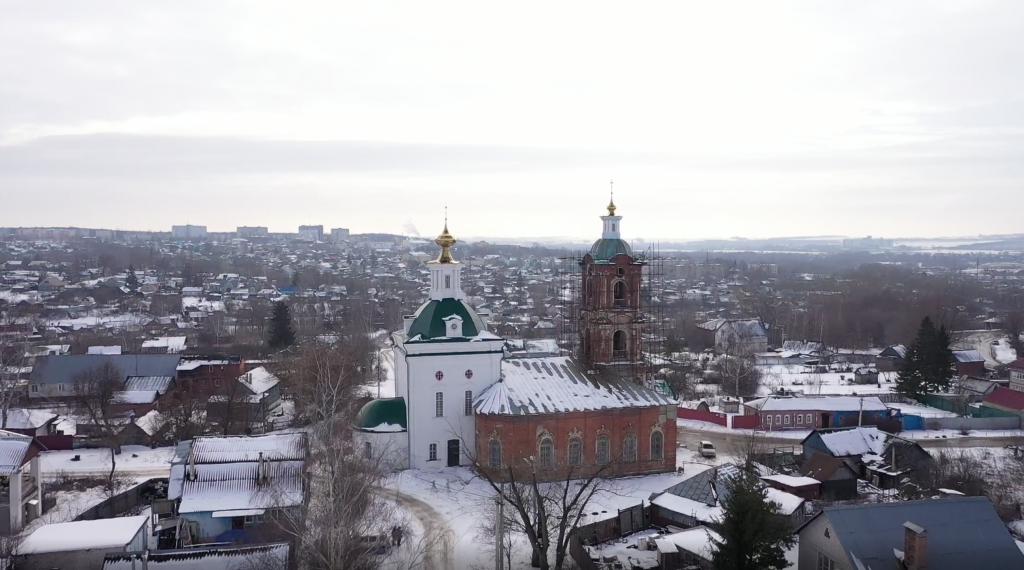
column 778, row 419
column 629, row 448
column 786, row 419
column 575, row 451
column 447, row 281
column 657, row 446
column 604, row 444
column 439, row 405
column 35, row 388
column 494, row 453
column 60, row 387
column 769, row 418
column 547, row 453
column 824, row 563
column 469, row 403
column 433, row 452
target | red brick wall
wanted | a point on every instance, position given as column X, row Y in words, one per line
column 701, row 415
column 520, row 437
column 815, row 417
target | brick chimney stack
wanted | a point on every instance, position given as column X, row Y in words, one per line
column 915, row 547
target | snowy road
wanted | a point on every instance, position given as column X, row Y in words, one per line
column 438, row 534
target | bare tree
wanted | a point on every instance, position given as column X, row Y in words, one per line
column 94, row 397
column 738, row 376
column 1014, row 326
column 12, row 361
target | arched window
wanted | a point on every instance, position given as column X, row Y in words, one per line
column 657, row 446
column 620, row 290
column 575, row 452
column 619, row 345
column 604, row 450
column 590, row 288
column 439, row 404
column 547, row 453
column 629, row 448
column 494, row 454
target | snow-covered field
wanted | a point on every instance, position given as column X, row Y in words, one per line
column 800, row 379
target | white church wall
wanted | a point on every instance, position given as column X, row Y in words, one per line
column 391, row 447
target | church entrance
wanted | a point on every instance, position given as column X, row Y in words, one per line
column 453, row 453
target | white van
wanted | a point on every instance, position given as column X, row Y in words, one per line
column 707, row 449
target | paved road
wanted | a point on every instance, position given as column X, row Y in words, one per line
column 439, row 538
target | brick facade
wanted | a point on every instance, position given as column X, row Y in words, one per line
column 611, row 306
column 521, row 436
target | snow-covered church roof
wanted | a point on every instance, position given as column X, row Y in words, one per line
column 556, row 384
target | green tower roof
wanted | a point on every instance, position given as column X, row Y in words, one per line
column 605, row 249
column 383, row 411
column 428, row 322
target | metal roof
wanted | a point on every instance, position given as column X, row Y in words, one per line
column 275, row 447
column 963, row 532
column 13, row 448
column 62, row 369
column 545, row 385
column 147, row 383
column 233, row 486
column 269, row 557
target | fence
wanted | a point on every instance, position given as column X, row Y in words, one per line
column 57, row 442
column 115, row 506
column 752, row 421
column 958, row 405
column 966, row 423
column 629, row 520
column 700, row 415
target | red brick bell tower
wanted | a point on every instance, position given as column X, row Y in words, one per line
column 611, row 320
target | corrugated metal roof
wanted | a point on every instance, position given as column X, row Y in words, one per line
column 13, row 448
column 231, row 486
column 276, row 447
column 962, row 533
column 555, row 384
column 146, row 383
column 62, row 369
column 269, row 557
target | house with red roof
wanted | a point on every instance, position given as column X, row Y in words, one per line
column 1005, row 399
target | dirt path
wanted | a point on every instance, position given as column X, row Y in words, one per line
column 438, row 536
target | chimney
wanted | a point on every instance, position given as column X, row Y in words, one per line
column 915, row 547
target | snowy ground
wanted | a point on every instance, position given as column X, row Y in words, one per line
column 134, row 460
column 1003, row 352
column 800, row 379
column 71, row 504
column 923, row 411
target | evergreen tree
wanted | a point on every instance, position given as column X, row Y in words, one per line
column 282, row 335
column 940, row 363
column 754, row 535
column 928, row 367
column 132, row 282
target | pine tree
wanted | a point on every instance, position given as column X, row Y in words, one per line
column 132, row 281
column 928, row 367
column 282, row 335
column 754, row 535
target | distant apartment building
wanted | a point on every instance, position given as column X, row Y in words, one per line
column 767, row 268
column 252, row 231
column 339, row 234
column 311, row 233
column 867, row 243
column 188, row 232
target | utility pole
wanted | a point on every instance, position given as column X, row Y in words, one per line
column 860, row 414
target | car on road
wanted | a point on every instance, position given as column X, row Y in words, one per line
column 707, row 449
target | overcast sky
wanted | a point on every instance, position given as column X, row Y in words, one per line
column 715, row 119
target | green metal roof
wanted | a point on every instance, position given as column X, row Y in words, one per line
column 429, row 319
column 382, row 411
column 605, row 249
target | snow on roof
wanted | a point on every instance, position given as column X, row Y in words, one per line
column 968, row 355
column 173, row 344
column 265, row 556
column 825, row 403
column 275, row 447
column 791, row 481
column 554, row 384
column 13, row 448
column 150, row 422
column 259, row 380
column 83, row 535
column 787, row 502
column 856, row 441
column 24, row 418
column 236, row 486
column 135, row 397
column 698, row 540
column 156, row 383
column 688, row 507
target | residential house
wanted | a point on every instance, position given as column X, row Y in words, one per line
column 877, row 456
column 935, row 534
column 891, row 359
column 698, row 500
column 81, row 545
column 21, row 489
column 687, row 549
column 53, row 377
column 838, row 479
column 258, row 392
column 738, row 337
column 227, row 487
column 1016, row 369
column 31, row 422
column 779, row 413
column 969, row 362
column 803, row 487
column 215, row 557
column 164, row 345
column 1006, row 400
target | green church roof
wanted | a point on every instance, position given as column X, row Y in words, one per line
column 428, row 322
column 383, row 411
column 605, row 249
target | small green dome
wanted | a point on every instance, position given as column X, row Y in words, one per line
column 429, row 320
column 605, row 249
column 383, row 411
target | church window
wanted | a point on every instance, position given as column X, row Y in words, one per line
column 613, row 226
column 575, row 452
column 620, row 272
column 439, row 405
column 629, row 448
column 604, row 445
column 367, row 450
column 657, row 446
column 433, row 452
column 547, row 453
column 620, row 290
column 494, row 454
column 447, row 281
column 619, row 344
column 469, row 403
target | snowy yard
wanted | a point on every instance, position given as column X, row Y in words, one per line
column 800, row 379
column 134, row 460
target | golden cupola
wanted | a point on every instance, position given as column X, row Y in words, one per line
column 446, row 241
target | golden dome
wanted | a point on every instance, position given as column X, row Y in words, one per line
column 611, row 206
column 446, row 241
